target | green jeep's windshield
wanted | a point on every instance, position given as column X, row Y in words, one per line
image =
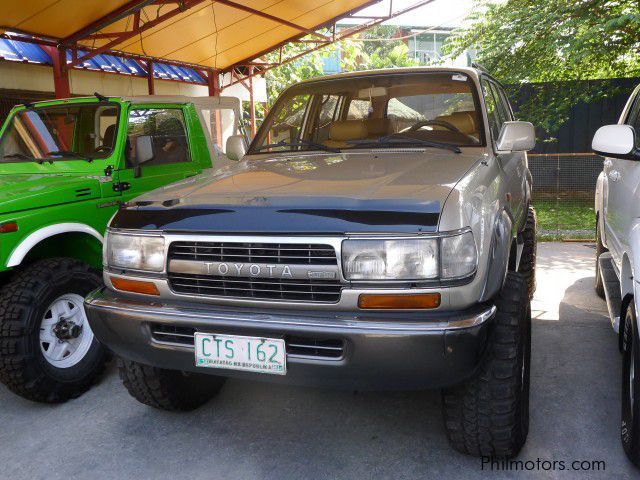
column 434, row 109
column 76, row 131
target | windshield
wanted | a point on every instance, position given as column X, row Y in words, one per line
column 382, row 110
column 80, row 131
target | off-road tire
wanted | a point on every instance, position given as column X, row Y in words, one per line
column 23, row 303
column 600, row 249
column 488, row 415
column 171, row 390
column 630, row 412
column 527, row 265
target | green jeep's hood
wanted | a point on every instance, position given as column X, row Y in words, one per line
column 28, row 191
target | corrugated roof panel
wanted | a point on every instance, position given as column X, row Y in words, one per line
column 23, row 52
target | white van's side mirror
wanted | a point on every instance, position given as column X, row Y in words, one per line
column 516, row 137
column 236, row 148
column 618, row 141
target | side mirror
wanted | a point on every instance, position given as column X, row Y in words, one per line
column 144, row 153
column 236, row 148
column 618, row 141
column 516, row 137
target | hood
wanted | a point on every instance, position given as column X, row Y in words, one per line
column 28, row 191
column 385, row 191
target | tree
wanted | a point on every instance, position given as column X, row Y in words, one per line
column 531, row 41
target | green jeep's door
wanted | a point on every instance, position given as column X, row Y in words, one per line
column 158, row 150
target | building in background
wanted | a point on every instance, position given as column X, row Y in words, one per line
column 26, row 75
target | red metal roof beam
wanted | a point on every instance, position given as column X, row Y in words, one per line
column 124, row 11
column 273, row 18
column 340, row 36
column 137, row 30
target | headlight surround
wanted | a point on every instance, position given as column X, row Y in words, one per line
column 445, row 257
column 136, row 252
column 459, row 256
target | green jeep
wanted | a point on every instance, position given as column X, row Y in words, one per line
column 65, row 167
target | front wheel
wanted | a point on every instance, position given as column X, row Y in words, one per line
column 529, row 250
column 48, row 352
column 170, row 390
column 489, row 414
column 630, row 418
column 600, row 249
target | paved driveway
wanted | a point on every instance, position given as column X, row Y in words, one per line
column 255, row 431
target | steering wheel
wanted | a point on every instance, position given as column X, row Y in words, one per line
column 440, row 123
column 103, row 148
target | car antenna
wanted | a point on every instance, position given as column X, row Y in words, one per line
column 100, row 97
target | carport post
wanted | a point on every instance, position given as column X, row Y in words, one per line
column 58, row 57
column 253, row 103
column 213, row 82
column 150, row 85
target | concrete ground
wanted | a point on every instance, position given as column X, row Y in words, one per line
column 263, row 431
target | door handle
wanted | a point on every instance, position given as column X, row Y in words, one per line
column 614, row 175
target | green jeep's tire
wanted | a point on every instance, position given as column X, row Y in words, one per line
column 488, row 415
column 48, row 352
column 164, row 389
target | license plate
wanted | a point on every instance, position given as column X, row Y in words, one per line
column 253, row 354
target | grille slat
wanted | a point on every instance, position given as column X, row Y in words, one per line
column 299, row 289
column 297, row 346
column 296, row 254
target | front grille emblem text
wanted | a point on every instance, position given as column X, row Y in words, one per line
column 253, row 270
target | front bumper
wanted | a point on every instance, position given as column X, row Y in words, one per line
column 381, row 350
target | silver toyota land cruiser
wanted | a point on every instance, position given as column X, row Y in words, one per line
column 377, row 234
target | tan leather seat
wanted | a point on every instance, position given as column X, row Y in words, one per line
column 463, row 121
column 343, row 130
column 378, row 127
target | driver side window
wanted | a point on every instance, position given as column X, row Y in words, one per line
column 165, row 127
column 493, row 114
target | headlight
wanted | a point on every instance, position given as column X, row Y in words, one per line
column 446, row 257
column 406, row 259
column 138, row 252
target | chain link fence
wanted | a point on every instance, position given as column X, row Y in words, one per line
column 563, row 194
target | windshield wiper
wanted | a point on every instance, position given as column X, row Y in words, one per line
column 388, row 140
column 23, row 156
column 67, row 154
column 297, row 143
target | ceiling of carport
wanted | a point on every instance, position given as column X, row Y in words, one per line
column 215, row 34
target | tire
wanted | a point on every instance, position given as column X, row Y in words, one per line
column 44, row 357
column 630, row 412
column 600, row 249
column 527, row 265
column 171, row 390
column 489, row 414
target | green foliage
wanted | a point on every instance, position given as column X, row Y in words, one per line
column 354, row 55
column 531, row 41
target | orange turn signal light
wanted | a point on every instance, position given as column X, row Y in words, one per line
column 399, row 301
column 134, row 286
column 8, row 227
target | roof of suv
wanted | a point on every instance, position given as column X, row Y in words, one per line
column 473, row 72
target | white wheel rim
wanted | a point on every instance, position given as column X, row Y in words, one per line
column 65, row 353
